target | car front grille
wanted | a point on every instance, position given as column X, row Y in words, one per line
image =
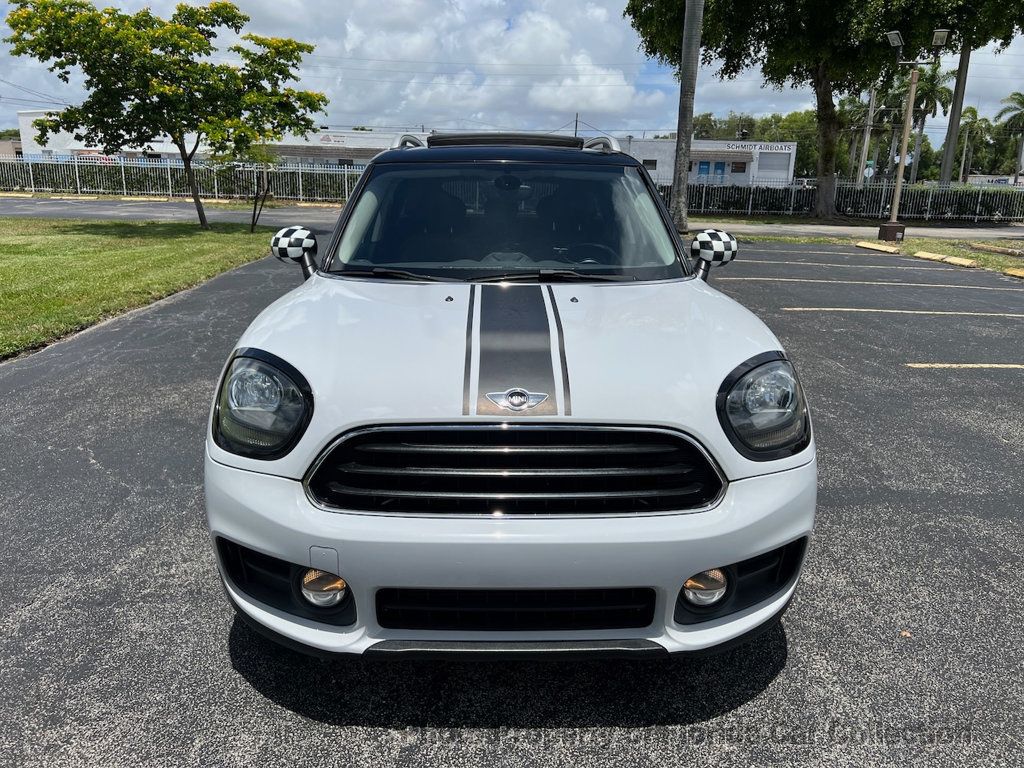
column 512, row 610
column 513, row 469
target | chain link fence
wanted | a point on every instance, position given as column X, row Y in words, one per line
column 333, row 183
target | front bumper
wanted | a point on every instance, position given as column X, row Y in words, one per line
column 272, row 515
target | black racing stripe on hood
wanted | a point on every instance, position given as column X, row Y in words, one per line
column 566, row 398
column 515, row 348
column 469, row 353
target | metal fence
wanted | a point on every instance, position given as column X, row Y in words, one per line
column 871, row 201
column 332, row 183
column 166, row 178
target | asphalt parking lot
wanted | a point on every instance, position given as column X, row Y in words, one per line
column 903, row 645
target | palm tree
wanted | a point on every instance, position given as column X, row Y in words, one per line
column 968, row 127
column 889, row 113
column 1013, row 112
column 853, row 113
column 932, row 93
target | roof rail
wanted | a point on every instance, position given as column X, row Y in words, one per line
column 406, row 140
column 504, row 140
column 607, row 143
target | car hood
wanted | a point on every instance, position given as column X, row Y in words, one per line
column 378, row 352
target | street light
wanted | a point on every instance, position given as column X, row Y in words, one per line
column 892, row 230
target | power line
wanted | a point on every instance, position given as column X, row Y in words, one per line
column 33, row 92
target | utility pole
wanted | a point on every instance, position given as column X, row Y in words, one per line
column 963, row 156
column 862, row 165
column 689, row 61
column 576, row 128
column 953, row 129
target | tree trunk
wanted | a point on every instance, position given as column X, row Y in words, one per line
column 955, row 109
column 917, row 151
column 1020, row 158
column 193, row 185
column 967, row 153
column 874, row 160
column 828, row 131
column 259, row 197
column 853, row 155
column 889, row 161
column 690, row 61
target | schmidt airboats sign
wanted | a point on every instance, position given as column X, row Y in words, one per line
column 754, row 146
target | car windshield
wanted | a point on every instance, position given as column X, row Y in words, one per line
column 493, row 221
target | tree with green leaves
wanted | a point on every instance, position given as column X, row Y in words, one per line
column 932, row 94
column 1013, row 114
column 795, row 126
column 149, row 77
column 833, row 46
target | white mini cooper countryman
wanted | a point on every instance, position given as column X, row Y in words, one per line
column 505, row 414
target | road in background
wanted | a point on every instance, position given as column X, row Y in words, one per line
column 324, row 217
column 902, row 646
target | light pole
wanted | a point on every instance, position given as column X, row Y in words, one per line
column 892, row 230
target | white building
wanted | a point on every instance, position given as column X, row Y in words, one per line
column 718, row 162
column 712, row 162
column 335, row 147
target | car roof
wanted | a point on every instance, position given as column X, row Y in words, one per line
column 504, row 153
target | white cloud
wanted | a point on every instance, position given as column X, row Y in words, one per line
column 514, row 64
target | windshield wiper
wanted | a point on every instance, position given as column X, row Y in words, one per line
column 396, row 274
column 542, row 275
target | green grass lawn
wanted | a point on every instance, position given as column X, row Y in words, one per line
column 59, row 276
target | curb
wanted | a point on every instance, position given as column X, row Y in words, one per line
column 1014, row 273
column 878, row 247
column 996, row 249
column 956, row 260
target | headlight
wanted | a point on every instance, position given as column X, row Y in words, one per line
column 762, row 409
column 263, row 406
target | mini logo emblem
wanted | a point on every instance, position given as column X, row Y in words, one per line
column 517, row 399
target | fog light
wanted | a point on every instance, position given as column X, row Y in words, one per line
column 706, row 588
column 323, row 589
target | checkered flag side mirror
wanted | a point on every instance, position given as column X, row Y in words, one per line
column 292, row 243
column 714, row 247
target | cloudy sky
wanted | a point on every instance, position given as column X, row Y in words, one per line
column 509, row 64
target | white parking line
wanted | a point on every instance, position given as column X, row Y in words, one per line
column 747, row 249
column 870, row 282
column 966, row 365
column 844, row 266
column 903, row 311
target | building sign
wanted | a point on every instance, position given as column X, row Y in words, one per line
column 331, row 138
column 752, row 146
